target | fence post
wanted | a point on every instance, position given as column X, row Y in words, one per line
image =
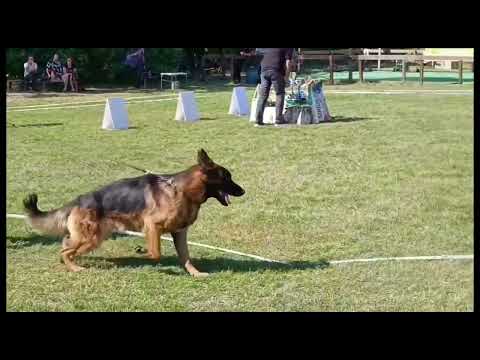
column 330, row 59
column 422, row 65
column 379, row 61
column 460, row 72
column 360, row 70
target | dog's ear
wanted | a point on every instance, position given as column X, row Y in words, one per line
column 204, row 160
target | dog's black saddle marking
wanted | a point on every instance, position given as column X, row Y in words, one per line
column 122, row 196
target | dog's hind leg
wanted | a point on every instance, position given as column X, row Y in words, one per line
column 85, row 235
column 181, row 245
column 66, row 243
column 68, row 255
column 152, row 238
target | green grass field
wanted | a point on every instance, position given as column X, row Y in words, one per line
column 393, row 176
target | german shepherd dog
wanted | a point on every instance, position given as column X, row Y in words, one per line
column 154, row 204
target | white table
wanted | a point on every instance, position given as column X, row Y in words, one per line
column 173, row 77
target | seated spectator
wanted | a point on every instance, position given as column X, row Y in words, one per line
column 70, row 75
column 55, row 70
column 30, row 72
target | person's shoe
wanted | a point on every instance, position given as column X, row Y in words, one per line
column 259, row 124
column 280, row 121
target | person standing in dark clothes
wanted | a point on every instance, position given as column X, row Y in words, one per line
column 140, row 67
column 136, row 61
column 276, row 65
column 238, row 64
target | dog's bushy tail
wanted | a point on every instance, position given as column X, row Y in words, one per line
column 52, row 222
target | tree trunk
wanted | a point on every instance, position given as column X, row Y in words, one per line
column 194, row 59
column 222, row 62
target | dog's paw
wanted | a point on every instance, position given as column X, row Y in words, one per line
column 76, row 268
column 200, row 274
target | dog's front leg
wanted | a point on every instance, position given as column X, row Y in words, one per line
column 180, row 241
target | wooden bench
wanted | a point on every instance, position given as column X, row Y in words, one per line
column 42, row 84
column 46, row 84
column 14, row 85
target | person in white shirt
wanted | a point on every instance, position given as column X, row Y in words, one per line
column 30, row 70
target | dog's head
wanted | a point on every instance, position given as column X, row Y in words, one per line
column 219, row 180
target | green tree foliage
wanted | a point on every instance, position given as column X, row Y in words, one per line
column 95, row 65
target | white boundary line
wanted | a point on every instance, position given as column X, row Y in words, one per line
column 407, row 90
column 100, row 99
column 405, row 258
column 333, row 262
column 14, row 107
column 398, row 92
column 139, row 234
column 53, row 108
column 100, row 104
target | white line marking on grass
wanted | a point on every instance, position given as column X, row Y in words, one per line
column 333, row 262
column 15, row 216
column 53, row 108
column 101, row 104
column 139, row 234
column 102, row 100
column 406, row 258
column 400, row 92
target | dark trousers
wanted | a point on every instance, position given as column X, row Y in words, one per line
column 140, row 76
column 268, row 78
column 29, row 80
column 237, row 70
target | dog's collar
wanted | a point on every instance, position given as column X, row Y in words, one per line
column 168, row 180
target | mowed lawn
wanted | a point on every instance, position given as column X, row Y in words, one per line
column 393, row 176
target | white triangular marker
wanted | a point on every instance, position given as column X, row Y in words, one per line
column 253, row 111
column 239, row 103
column 187, row 107
column 115, row 116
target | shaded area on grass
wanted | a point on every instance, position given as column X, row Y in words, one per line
column 34, row 239
column 36, row 125
column 335, row 119
column 348, row 119
column 214, row 265
column 217, row 264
